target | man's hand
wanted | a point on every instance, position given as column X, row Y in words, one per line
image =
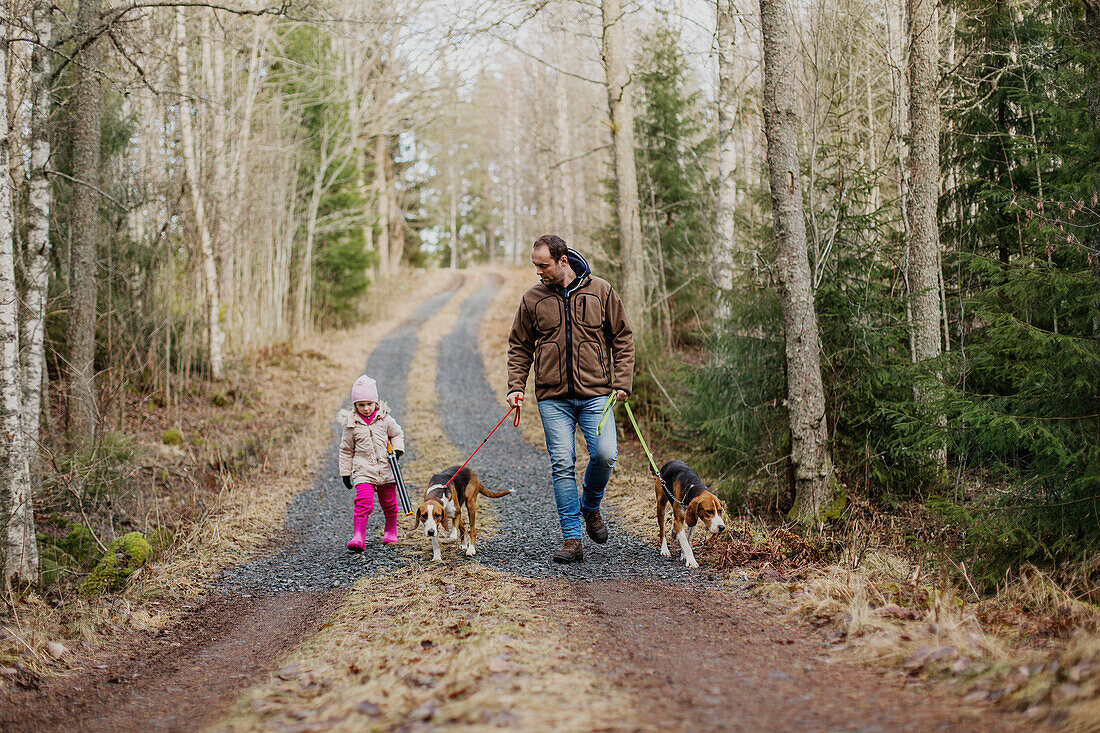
column 399, row 453
column 621, row 395
column 347, row 481
column 514, row 398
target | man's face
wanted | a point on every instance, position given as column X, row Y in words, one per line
column 549, row 271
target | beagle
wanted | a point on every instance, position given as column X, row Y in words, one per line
column 443, row 505
column 694, row 505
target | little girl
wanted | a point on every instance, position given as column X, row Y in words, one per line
column 364, row 462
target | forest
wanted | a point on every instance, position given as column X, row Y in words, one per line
column 858, row 242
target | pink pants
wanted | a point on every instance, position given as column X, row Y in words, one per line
column 364, row 499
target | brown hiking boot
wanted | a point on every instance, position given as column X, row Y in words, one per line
column 571, row 551
column 593, row 522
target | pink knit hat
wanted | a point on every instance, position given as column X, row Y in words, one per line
column 365, row 389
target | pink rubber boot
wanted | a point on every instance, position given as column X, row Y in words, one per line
column 364, row 503
column 387, row 497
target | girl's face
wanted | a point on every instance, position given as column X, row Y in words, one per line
column 365, row 408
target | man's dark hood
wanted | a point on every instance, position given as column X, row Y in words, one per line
column 580, row 267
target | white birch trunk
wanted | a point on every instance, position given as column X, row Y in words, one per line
column 381, row 177
column 621, row 106
column 17, row 541
column 37, row 261
column 725, row 252
column 564, row 142
column 209, row 264
column 304, row 307
column 453, row 184
column 813, row 471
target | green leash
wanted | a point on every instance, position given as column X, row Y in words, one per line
column 607, row 410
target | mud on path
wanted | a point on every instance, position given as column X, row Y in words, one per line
column 640, row 643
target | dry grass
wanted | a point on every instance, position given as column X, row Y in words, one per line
column 470, row 651
column 1031, row 647
column 244, row 508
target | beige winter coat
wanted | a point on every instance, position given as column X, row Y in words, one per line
column 363, row 447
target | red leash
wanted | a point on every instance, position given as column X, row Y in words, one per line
column 514, row 423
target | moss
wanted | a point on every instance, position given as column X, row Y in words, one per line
column 172, row 437
column 124, row 555
column 79, row 544
column 221, row 399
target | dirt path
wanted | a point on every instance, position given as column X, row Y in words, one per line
column 707, row 659
column 308, row 637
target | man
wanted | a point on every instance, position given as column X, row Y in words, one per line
column 573, row 328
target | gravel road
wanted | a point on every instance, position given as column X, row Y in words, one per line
column 319, row 519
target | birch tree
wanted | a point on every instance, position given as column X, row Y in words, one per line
column 923, row 260
column 17, row 541
column 728, row 107
column 36, row 264
column 87, row 104
column 206, row 247
column 621, row 105
column 815, row 485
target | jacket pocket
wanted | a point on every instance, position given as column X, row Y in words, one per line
column 548, row 365
column 587, row 311
column 592, row 369
column 548, row 314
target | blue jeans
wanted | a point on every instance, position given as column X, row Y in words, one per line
column 560, row 419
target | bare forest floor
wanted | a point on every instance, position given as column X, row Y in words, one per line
column 629, row 641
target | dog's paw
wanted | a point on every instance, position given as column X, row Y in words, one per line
column 691, row 562
column 471, row 551
column 665, row 552
column 437, row 558
column 454, row 535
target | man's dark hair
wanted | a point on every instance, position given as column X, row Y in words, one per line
column 554, row 243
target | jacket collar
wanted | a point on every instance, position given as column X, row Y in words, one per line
column 354, row 417
column 581, row 267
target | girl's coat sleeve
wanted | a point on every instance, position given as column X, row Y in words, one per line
column 347, row 451
column 396, row 435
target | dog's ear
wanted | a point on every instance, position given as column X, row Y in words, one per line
column 692, row 515
column 417, row 518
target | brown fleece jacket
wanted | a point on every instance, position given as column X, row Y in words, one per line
column 578, row 339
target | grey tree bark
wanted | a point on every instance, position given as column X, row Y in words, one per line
column 87, row 104
column 18, row 549
column 923, row 258
column 815, row 486
column 621, row 104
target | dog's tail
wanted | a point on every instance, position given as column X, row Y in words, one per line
column 492, row 494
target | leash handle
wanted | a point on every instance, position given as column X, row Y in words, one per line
column 606, row 411
column 516, row 423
